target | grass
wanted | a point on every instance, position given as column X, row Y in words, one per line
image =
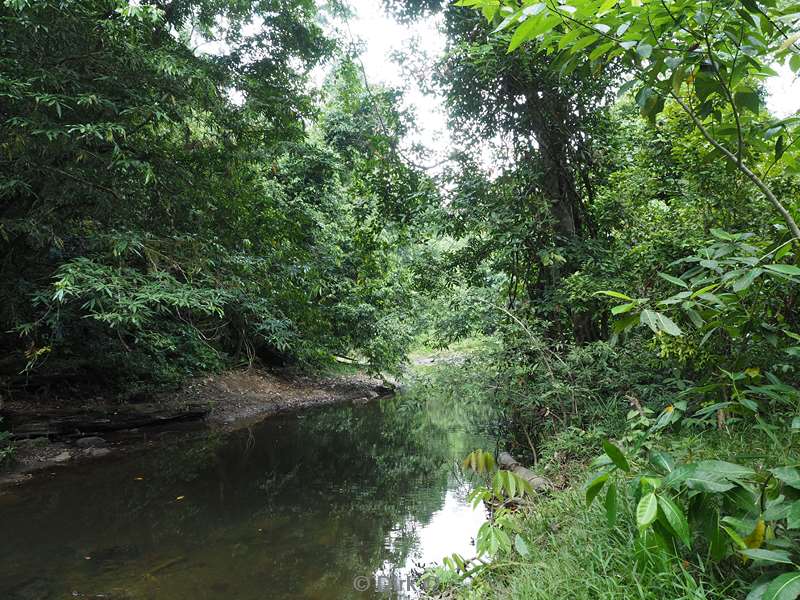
column 575, row 555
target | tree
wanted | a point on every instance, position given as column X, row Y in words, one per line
column 166, row 211
column 709, row 57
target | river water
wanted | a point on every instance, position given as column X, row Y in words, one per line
column 341, row 502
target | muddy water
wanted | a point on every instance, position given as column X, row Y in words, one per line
column 343, row 502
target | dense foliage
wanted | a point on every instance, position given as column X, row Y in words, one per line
column 668, row 309
column 175, row 198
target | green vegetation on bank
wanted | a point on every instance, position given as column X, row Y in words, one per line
column 168, row 211
column 634, row 249
column 569, row 549
column 616, row 221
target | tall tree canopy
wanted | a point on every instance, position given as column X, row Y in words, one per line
column 171, row 209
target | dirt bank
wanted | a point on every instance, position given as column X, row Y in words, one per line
column 56, row 433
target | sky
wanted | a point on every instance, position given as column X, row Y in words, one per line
column 382, row 36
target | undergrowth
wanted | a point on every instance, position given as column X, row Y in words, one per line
column 574, row 554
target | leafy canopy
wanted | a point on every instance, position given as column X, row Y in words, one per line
column 710, row 57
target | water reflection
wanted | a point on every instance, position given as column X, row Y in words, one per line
column 297, row 507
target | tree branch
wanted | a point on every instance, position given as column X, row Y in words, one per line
column 787, row 217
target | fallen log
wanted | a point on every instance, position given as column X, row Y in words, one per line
column 65, row 424
column 509, row 463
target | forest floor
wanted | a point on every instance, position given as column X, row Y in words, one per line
column 54, row 432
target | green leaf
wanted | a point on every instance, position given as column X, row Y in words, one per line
column 606, row 6
column 725, row 469
column 709, row 519
column 674, row 280
column 746, row 280
column 721, row 234
column 594, row 487
column 784, row 587
column 623, row 308
column 734, row 535
column 644, row 50
column 659, row 322
column 625, row 323
column 758, row 590
column 747, row 98
column 646, row 510
column 613, row 295
column 530, row 28
column 521, row 546
column 788, row 475
column 697, row 479
column 793, row 518
column 694, row 317
column 662, row 461
column 616, row 455
column 522, row 33
column 779, row 148
column 705, row 85
column 676, row 519
column 784, row 269
column 601, row 50
column 611, row 504
column 773, row 556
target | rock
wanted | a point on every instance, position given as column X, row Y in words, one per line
column 63, row 457
column 31, row 442
column 96, row 452
column 386, row 390
column 91, row 442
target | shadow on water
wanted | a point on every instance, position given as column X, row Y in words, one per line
column 297, row 507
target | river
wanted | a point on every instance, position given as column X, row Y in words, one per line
column 341, row 502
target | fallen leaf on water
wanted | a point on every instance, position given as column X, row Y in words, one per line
column 180, row 497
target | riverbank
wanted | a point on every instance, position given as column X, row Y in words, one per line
column 570, row 550
column 58, row 432
column 558, row 545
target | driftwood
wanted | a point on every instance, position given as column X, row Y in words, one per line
column 61, row 424
column 508, row 462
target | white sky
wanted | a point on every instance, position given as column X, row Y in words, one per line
column 382, row 35
column 784, row 93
